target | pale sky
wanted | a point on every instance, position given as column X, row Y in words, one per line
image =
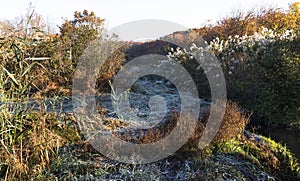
column 189, row 13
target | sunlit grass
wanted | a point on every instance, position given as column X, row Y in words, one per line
column 33, row 141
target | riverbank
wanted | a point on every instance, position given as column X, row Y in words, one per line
column 288, row 136
column 232, row 156
column 249, row 157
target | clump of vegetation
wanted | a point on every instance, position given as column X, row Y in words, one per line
column 29, row 139
column 58, row 54
column 279, row 98
column 30, row 142
column 232, row 126
column 240, row 23
column 259, row 54
column 263, row 74
column 262, row 69
column 264, row 152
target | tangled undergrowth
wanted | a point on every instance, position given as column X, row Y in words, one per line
column 43, row 145
column 240, row 158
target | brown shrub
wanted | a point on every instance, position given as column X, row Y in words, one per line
column 234, row 121
column 233, row 124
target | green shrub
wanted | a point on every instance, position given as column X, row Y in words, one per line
column 268, row 83
column 279, row 99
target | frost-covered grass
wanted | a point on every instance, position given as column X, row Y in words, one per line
column 262, row 72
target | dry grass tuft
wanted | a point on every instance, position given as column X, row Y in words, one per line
column 234, row 121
